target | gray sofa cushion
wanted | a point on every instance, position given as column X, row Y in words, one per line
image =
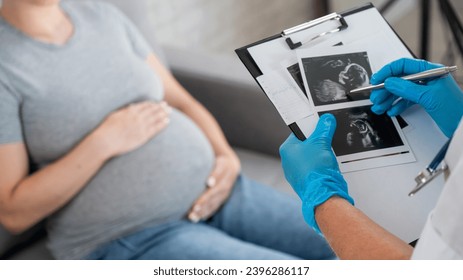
column 35, row 251
column 6, row 240
column 10, row 242
column 265, row 169
column 227, row 90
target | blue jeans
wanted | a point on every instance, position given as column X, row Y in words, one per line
column 256, row 222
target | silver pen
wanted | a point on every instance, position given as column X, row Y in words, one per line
column 418, row 77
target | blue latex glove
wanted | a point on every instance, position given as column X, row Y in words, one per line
column 442, row 98
column 312, row 170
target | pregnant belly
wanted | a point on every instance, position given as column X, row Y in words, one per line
column 155, row 183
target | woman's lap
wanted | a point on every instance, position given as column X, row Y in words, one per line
column 182, row 240
column 264, row 216
column 257, row 222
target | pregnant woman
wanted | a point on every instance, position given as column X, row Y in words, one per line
column 130, row 166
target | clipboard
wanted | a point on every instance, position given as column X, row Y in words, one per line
column 382, row 193
column 293, row 44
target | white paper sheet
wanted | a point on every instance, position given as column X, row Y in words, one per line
column 285, row 96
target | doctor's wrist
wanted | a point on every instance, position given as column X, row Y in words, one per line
column 318, row 189
column 327, row 211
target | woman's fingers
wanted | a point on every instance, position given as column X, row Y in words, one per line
column 208, row 204
column 216, row 174
column 220, row 184
column 211, row 200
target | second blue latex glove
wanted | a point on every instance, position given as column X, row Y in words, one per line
column 311, row 168
column 442, row 98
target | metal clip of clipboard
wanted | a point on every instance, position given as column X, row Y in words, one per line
column 334, row 16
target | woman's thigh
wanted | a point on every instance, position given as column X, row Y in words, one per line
column 184, row 241
column 266, row 217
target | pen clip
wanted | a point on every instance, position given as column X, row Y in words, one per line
column 432, row 170
column 426, row 176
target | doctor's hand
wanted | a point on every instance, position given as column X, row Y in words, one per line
column 311, row 168
column 219, row 186
column 442, row 98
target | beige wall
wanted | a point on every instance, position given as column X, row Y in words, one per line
column 220, row 26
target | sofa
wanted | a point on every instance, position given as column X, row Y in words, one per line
column 225, row 88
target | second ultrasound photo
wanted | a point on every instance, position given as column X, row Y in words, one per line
column 360, row 130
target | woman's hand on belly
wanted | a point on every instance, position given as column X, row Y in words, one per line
column 129, row 128
column 220, row 184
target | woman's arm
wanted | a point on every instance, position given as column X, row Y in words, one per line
column 25, row 200
column 353, row 235
column 227, row 166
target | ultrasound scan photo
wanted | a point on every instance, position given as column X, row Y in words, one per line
column 360, row 130
column 331, row 78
